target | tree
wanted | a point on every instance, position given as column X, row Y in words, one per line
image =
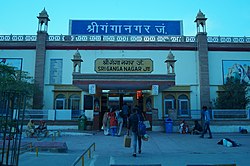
column 233, row 95
column 15, row 80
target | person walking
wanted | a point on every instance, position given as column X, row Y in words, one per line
column 113, row 121
column 120, row 121
column 106, row 123
column 125, row 111
column 202, row 117
column 206, row 123
column 133, row 121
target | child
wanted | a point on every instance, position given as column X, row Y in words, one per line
column 183, row 128
column 113, row 122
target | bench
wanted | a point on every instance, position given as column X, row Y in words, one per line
column 230, row 114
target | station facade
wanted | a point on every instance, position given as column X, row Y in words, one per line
column 150, row 64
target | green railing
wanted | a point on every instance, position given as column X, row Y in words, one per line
column 82, row 156
column 26, row 148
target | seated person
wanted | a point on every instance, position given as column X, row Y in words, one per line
column 42, row 128
column 197, row 129
column 183, row 128
column 31, row 128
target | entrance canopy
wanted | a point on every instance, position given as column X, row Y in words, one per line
column 123, row 82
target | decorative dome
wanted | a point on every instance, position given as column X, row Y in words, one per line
column 77, row 55
column 170, row 56
column 200, row 15
column 43, row 14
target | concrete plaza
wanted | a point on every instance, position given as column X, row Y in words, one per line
column 166, row 149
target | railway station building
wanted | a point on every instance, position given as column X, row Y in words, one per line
column 151, row 64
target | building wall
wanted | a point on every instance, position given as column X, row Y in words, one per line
column 158, row 104
column 215, row 59
column 48, row 97
column 67, row 65
column 194, row 97
column 28, row 57
column 215, row 63
column 185, row 69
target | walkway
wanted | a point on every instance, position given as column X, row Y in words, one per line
column 163, row 149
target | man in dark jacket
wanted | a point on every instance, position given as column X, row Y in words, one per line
column 133, row 125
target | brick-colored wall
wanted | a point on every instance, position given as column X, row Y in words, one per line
column 39, row 69
column 203, row 69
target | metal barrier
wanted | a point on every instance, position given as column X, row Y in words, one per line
column 227, row 114
column 39, row 114
column 81, row 157
column 36, row 114
column 29, row 145
column 51, row 133
column 31, row 148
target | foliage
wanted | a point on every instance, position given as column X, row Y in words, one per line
column 233, row 95
column 15, row 80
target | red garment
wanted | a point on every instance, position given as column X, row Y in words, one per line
column 113, row 120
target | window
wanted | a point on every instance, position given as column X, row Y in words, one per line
column 183, row 105
column 60, row 102
column 56, row 66
column 169, row 103
column 113, row 101
column 74, row 102
column 88, row 102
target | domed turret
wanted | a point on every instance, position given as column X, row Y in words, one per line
column 201, row 22
column 170, row 63
column 43, row 20
column 77, row 60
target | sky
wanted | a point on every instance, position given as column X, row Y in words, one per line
column 225, row 17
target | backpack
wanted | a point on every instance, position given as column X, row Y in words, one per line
column 141, row 127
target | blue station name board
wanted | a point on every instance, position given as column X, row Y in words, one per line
column 122, row 27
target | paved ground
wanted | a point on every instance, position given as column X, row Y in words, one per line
column 162, row 149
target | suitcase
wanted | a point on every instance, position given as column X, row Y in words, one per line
column 127, row 141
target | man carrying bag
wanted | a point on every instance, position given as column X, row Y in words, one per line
column 133, row 122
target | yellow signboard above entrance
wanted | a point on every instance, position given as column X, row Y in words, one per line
column 123, row 65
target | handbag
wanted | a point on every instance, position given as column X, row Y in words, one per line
column 127, row 141
column 147, row 124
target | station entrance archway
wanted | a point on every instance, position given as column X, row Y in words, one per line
column 117, row 98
